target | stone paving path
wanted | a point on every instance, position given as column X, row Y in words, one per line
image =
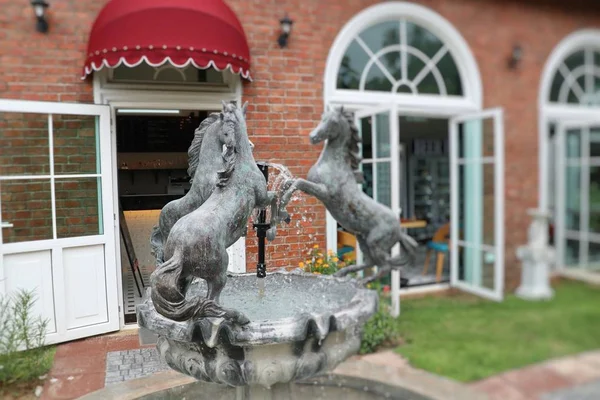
column 125, row 365
column 568, row 377
column 87, row 365
column 80, row 366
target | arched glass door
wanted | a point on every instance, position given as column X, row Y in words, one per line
column 578, row 196
column 570, row 92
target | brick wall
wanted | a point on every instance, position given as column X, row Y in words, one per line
column 286, row 95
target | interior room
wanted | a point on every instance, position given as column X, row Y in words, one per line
column 152, row 165
column 425, row 196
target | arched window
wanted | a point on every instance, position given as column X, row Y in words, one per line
column 576, row 79
column 399, row 56
column 403, row 53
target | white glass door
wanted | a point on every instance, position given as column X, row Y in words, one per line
column 477, row 209
column 380, row 152
column 578, row 196
column 57, row 236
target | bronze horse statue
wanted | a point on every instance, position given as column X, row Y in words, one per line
column 197, row 244
column 204, row 154
column 332, row 180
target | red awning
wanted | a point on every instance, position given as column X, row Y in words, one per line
column 205, row 33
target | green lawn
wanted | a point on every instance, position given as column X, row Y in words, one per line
column 466, row 338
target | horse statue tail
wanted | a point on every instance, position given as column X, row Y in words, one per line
column 170, row 302
column 156, row 244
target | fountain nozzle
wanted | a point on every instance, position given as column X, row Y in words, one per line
column 262, row 227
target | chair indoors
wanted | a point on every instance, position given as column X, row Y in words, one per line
column 346, row 246
column 440, row 245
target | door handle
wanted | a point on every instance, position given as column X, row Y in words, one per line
column 6, row 225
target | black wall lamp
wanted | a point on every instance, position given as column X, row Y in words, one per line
column 516, row 56
column 286, row 27
column 39, row 6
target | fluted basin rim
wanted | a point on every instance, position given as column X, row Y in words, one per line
column 361, row 307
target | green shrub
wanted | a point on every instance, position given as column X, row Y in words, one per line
column 380, row 330
column 22, row 352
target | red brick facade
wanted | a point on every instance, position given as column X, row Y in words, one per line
column 286, row 97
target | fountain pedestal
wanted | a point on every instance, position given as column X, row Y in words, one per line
column 536, row 257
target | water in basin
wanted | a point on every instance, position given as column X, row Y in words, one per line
column 282, row 298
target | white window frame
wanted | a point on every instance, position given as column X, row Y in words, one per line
column 428, row 19
column 103, row 82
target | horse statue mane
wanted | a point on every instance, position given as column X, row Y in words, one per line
column 194, row 150
column 223, row 176
column 353, row 143
column 230, row 113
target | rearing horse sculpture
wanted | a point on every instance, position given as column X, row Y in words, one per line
column 197, row 244
column 332, row 181
column 204, row 155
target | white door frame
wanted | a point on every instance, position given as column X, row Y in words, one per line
column 400, row 110
column 149, row 96
column 57, row 245
column 498, row 162
column 395, row 182
column 397, row 109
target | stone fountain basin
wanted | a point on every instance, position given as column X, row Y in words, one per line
column 304, row 325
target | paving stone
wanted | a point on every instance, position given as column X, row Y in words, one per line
column 388, row 358
column 577, row 369
column 535, row 380
column 125, row 365
column 498, row 389
column 592, row 357
column 589, row 391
